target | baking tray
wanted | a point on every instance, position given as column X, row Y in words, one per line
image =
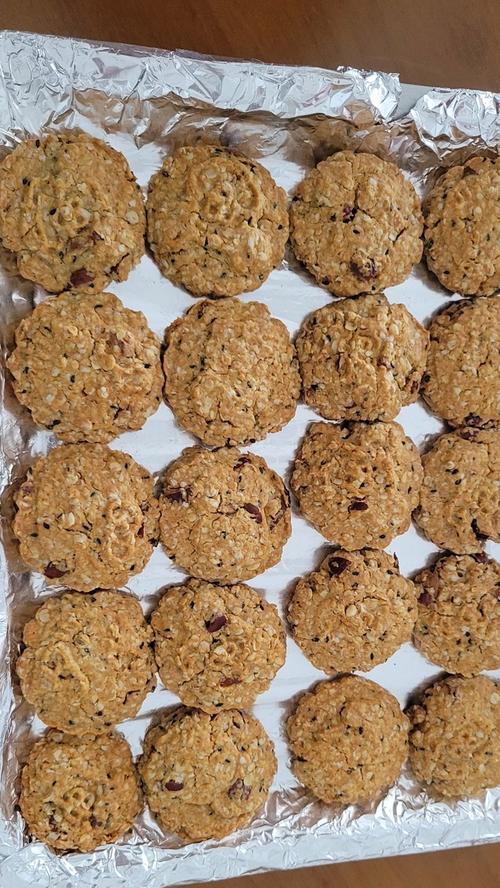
column 145, row 102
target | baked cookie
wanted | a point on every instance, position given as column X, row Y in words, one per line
column 71, row 212
column 349, row 740
column 357, row 483
column 231, row 372
column 462, row 219
column 354, row 612
column 87, row 662
column 87, row 367
column 458, row 624
column 355, row 223
column 225, row 516
column 454, row 737
column 79, row 792
column 361, row 358
column 459, row 506
column 86, row 515
column 206, row 776
column 217, row 647
column 217, row 221
column 461, row 382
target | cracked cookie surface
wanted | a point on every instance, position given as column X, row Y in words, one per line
column 86, row 516
column 355, row 223
column 361, row 358
column 461, row 380
column 206, row 776
column 353, row 612
column 71, row 212
column 357, row 483
column 78, row 793
column 349, row 740
column 217, row 647
column 454, row 737
column 459, row 507
column 225, row 515
column 462, row 227
column 87, row 663
column 87, row 367
column 458, row 624
column 217, row 221
column 231, row 373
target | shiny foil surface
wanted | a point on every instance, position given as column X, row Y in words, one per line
column 145, row 103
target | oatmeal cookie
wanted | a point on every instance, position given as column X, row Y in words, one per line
column 86, row 516
column 217, row 221
column 71, row 212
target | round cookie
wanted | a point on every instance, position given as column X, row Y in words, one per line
column 86, row 515
column 206, row 776
column 217, row 221
column 231, row 372
column 225, row 516
column 454, row 737
column 361, row 358
column 71, row 211
column 357, row 483
column 78, row 793
column 87, row 663
column 462, row 225
column 458, row 624
column 355, row 223
column 459, row 506
column 87, row 367
column 349, row 740
column 354, row 612
column 217, row 647
column 460, row 383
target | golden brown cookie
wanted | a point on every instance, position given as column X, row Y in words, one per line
column 455, row 737
column 349, row 740
column 355, row 223
column 206, row 776
column 217, row 647
column 459, row 503
column 87, row 662
column 357, row 483
column 361, row 358
column 458, row 624
column 86, row 516
column 71, row 212
column 217, row 221
column 225, row 516
column 462, row 379
column 231, row 372
column 78, row 793
column 462, row 218
column 354, row 612
column 87, row 367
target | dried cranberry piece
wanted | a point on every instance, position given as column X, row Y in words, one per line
column 425, row 598
column 254, row 512
column 348, row 214
column 481, row 557
column 358, row 506
column 366, row 271
column 53, row 572
column 242, row 461
column 80, row 276
column 216, row 623
column 239, row 790
column 473, row 420
column 227, row 682
column 337, row 565
column 173, row 786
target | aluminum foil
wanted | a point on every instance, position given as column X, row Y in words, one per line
column 146, row 102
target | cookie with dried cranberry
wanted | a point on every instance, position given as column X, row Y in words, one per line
column 462, row 219
column 71, row 212
column 458, row 624
column 217, row 221
column 355, row 223
column 357, row 483
column 78, row 793
column 225, row 515
column 86, row 516
column 206, row 776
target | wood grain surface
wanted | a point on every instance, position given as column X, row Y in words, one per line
column 436, row 42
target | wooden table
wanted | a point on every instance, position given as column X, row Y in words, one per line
column 436, row 42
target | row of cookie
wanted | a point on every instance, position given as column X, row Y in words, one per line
column 205, row 776
column 71, row 215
